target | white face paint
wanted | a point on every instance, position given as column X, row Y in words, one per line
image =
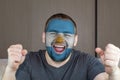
column 51, row 36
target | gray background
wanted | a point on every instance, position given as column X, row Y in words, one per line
column 23, row 21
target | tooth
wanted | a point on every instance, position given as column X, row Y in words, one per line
column 58, row 46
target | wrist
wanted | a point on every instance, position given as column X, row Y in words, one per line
column 9, row 74
column 115, row 75
column 9, row 69
column 117, row 71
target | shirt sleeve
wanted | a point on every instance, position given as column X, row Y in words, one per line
column 23, row 72
column 95, row 67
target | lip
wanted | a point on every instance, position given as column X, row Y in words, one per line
column 59, row 49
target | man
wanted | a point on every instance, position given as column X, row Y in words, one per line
column 60, row 61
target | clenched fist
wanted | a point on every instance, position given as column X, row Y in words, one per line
column 16, row 55
column 110, row 58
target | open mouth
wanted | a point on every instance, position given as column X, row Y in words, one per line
column 59, row 48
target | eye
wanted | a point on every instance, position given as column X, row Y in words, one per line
column 67, row 35
column 53, row 33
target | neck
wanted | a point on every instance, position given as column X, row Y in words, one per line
column 54, row 63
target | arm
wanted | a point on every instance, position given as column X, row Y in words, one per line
column 102, row 76
column 9, row 74
column 16, row 56
column 110, row 59
column 115, row 75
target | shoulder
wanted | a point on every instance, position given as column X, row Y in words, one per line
column 92, row 64
column 83, row 55
column 86, row 57
column 83, row 58
column 32, row 58
column 33, row 54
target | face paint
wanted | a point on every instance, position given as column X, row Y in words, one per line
column 60, row 26
column 60, row 35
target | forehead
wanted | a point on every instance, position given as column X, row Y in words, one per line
column 61, row 26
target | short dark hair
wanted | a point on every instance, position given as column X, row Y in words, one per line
column 61, row 16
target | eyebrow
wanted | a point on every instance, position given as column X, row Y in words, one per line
column 66, row 32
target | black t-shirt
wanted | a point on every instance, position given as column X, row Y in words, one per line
column 81, row 66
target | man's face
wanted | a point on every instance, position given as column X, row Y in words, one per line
column 60, row 34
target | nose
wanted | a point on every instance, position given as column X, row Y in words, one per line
column 59, row 39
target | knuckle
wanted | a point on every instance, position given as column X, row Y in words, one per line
column 8, row 50
column 109, row 44
column 19, row 46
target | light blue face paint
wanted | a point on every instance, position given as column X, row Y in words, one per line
column 66, row 29
column 58, row 57
column 61, row 26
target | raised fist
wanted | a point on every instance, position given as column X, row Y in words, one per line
column 110, row 58
column 16, row 56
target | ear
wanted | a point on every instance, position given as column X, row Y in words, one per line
column 43, row 37
column 76, row 40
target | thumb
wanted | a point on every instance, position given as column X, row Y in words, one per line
column 99, row 51
column 101, row 54
column 24, row 52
